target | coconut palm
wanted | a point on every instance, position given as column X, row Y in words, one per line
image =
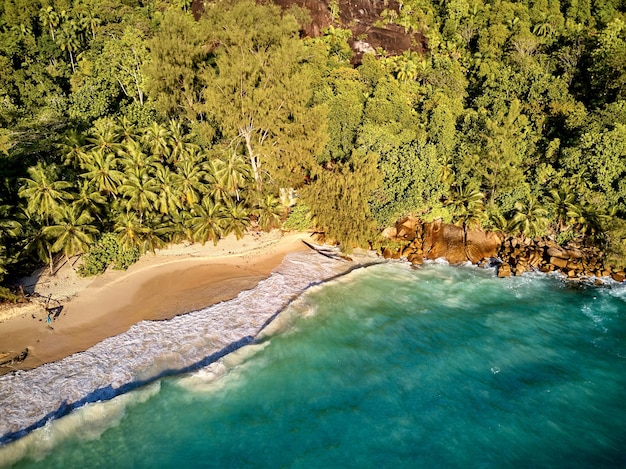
column 156, row 138
column 588, row 219
column 233, row 171
column 237, row 219
column 530, row 219
column 129, row 230
column 207, row 221
column 217, row 182
column 73, row 148
column 562, row 200
column 10, row 227
column 104, row 136
column 168, row 198
column 68, row 39
column 179, row 144
column 269, row 212
column 72, row 230
column 43, row 193
column 90, row 199
column 133, row 156
column 49, row 18
column 138, row 191
column 189, row 182
column 467, row 205
column 102, row 172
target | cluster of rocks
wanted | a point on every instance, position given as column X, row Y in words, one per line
column 519, row 255
column 420, row 240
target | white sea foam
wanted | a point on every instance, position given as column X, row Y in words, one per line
column 28, row 399
column 86, row 423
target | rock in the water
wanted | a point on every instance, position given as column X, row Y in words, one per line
column 504, row 270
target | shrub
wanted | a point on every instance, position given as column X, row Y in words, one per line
column 107, row 252
column 298, row 219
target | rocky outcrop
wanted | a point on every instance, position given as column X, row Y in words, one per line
column 361, row 17
column 519, row 255
column 419, row 240
column 436, row 240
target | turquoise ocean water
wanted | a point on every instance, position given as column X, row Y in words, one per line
column 387, row 366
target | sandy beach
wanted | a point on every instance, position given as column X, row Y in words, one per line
column 174, row 280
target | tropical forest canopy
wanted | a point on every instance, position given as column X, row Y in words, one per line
column 128, row 124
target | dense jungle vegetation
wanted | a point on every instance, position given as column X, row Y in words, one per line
column 129, row 124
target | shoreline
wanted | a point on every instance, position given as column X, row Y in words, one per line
column 176, row 280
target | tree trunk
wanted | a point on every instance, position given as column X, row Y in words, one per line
column 246, row 133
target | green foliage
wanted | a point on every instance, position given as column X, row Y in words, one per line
column 105, row 253
column 298, row 218
column 8, row 296
column 140, row 120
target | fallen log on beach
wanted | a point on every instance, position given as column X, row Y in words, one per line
column 327, row 252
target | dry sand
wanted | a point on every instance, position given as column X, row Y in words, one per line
column 175, row 280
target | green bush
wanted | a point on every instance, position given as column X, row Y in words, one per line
column 8, row 296
column 107, row 252
column 298, row 219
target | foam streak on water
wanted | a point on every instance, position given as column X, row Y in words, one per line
column 28, row 399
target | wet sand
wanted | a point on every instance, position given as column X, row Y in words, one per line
column 158, row 287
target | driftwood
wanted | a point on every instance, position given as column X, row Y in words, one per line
column 327, row 252
column 7, row 360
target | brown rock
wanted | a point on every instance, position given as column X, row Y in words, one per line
column 407, row 228
column 558, row 262
column 504, row 270
column 619, row 276
column 390, row 232
column 575, row 253
column 557, row 252
column 480, row 245
column 415, row 258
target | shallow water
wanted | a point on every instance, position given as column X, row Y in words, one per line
column 387, row 366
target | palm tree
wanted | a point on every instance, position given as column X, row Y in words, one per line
column 530, row 219
column 189, row 182
column 126, row 129
column 563, row 200
column 269, row 212
column 129, row 230
column 104, row 136
column 237, row 219
column 588, row 219
column 72, row 232
column 39, row 244
column 133, row 156
column 179, row 144
column 233, row 171
column 9, row 226
column 467, row 205
column 217, row 183
column 139, row 191
column 156, row 138
column 102, row 172
column 73, row 149
column 42, row 192
column 168, row 199
column 49, row 18
column 155, row 231
column 68, row 39
column 207, row 221
column 89, row 199
column 406, row 66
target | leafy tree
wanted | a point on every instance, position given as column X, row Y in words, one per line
column 177, row 54
column 259, row 90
